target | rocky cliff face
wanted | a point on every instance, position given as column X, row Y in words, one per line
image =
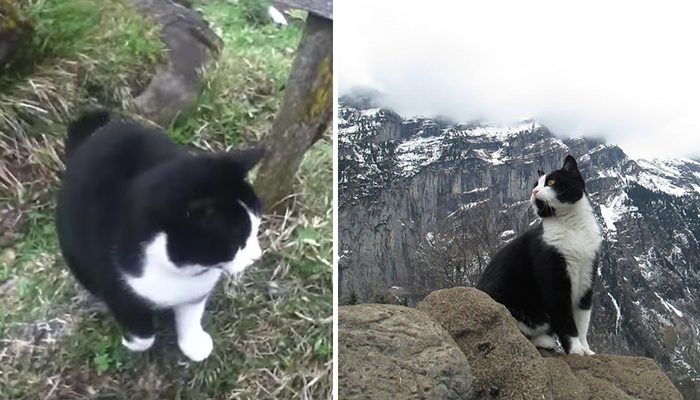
column 405, row 182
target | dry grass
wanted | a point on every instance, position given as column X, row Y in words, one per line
column 272, row 329
column 84, row 52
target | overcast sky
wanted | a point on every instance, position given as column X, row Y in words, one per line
column 630, row 74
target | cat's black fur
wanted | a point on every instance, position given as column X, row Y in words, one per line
column 125, row 182
column 529, row 276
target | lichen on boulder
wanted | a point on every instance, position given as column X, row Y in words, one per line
column 15, row 29
column 393, row 352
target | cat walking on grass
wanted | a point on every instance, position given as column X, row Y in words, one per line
column 145, row 224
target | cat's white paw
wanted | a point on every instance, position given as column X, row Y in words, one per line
column 544, row 342
column 138, row 344
column 196, row 345
column 576, row 346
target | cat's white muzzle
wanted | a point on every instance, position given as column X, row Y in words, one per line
column 244, row 258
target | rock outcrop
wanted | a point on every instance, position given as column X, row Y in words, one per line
column 506, row 365
column 191, row 46
column 460, row 344
column 393, row 352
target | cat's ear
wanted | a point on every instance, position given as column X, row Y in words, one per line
column 540, row 172
column 570, row 167
column 248, row 158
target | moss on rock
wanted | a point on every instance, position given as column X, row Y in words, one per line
column 15, row 29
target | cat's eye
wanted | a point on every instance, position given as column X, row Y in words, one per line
column 550, row 182
column 200, row 209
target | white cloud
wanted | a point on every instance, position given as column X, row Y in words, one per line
column 626, row 72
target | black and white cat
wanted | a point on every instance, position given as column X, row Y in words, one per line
column 144, row 224
column 545, row 276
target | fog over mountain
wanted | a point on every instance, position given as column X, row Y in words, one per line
column 625, row 73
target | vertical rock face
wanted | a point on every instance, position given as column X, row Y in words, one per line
column 403, row 180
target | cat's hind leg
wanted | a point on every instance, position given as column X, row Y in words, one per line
column 540, row 335
column 137, row 322
column 544, row 341
column 191, row 338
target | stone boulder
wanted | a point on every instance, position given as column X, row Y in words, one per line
column 394, row 352
column 506, row 365
column 607, row 377
column 191, row 46
column 14, row 31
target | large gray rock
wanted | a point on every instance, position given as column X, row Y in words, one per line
column 608, row 377
column 191, row 46
column 393, row 352
column 506, row 365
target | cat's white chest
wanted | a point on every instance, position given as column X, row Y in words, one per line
column 577, row 237
column 167, row 285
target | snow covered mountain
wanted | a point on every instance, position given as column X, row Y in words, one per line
column 409, row 187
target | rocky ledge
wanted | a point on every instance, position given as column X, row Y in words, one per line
column 460, row 344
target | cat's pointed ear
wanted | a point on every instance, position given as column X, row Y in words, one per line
column 540, row 172
column 570, row 167
column 248, row 158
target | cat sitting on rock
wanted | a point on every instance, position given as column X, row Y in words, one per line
column 545, row 276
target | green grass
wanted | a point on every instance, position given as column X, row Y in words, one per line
column 83, row 52
column 271, row 330
column 245, row 87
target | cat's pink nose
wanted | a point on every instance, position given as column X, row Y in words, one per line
column 535, row 191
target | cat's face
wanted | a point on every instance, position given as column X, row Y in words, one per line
column 219, row 230
column 557, row 191
column 211, row 215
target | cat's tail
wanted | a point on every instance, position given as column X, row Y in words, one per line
column 83, row 127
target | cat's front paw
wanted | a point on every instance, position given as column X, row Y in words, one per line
column 576, row 347
column 196, row 346
column 586, row 349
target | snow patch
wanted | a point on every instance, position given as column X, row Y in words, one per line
column 372, row 112
column 465, row 207
column 618, row 318
column 477, row 190
column 609, row 217
column 615, row 209
column 669, row 306
column 500, row 132
column 418, row 152
column 660, row 175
